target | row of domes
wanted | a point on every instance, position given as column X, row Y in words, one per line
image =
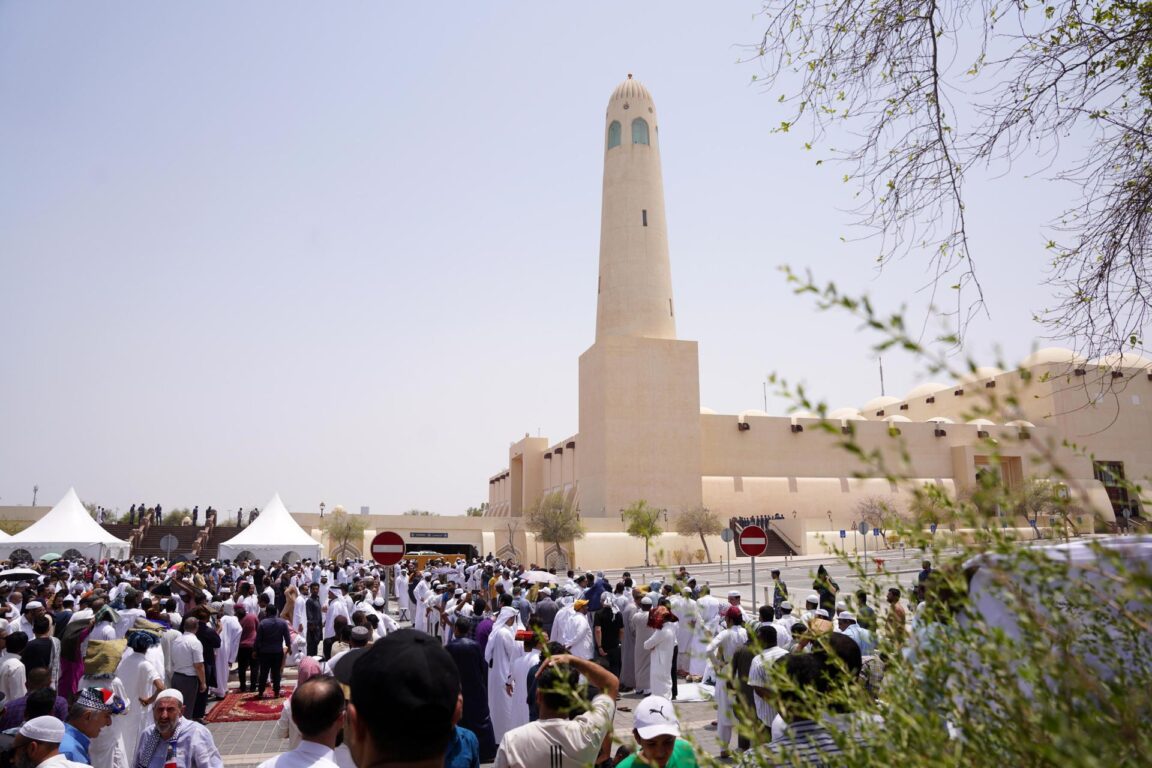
column 1046, row 356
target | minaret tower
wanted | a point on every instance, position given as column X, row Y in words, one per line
column 639, row 385
column 635, row 285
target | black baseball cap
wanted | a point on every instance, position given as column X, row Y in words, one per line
column 405, row 687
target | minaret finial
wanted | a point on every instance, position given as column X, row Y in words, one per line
column 629, row 75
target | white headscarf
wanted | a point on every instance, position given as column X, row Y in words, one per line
column 507, row 612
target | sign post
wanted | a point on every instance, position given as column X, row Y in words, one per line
column 864, row 534
column 726, row 535
column 753, row 543
column 387, row 550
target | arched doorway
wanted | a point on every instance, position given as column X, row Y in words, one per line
column 345, row 551
column 20, row 556
column 290, row 556
column 556, row 557
column 72, row 554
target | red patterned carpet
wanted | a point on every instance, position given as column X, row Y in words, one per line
column 245, row 707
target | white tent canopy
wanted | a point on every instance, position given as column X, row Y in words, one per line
column 68, row 526
column 274, row 536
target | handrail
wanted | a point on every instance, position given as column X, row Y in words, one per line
column 795, row 549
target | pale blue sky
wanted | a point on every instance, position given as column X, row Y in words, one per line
column 348, row 251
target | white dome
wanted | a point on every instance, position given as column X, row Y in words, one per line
column 804, row 415
column 1122, row 360
column 846, row 413
column 941, row 420
column 1051, row 356
column 897, row 417
column 982, row 423
column 707, row 411
column 1019, row 423
column 631, row 89
column 925, row 389
column 753, row 412
column 878, row 403
column 981, row 373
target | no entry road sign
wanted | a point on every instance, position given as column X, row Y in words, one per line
column 753, row 541
column 388, row 548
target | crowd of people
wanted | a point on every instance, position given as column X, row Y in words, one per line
column 114, row 664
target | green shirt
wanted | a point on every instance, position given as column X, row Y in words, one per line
column 683, row 756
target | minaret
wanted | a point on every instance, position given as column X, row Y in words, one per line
column 639, row 386
column 635, row 284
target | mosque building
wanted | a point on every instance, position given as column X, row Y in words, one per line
column 644, row 435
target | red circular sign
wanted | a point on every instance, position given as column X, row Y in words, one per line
column 753, row 541
column 388, row 548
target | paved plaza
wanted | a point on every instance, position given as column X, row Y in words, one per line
column 245, row 745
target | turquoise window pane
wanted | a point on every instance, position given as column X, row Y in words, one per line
column 614, row 131
column 639, row 131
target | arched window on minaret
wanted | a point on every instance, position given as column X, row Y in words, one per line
column 614, row 131
column 639, row 131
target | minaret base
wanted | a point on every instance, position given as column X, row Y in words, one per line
column 639, row 425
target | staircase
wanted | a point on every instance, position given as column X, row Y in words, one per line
column 777, row 546
column 219, row 535
column 150, row 542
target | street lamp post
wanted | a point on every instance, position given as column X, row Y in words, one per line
column 321, row 510
column 35, row 490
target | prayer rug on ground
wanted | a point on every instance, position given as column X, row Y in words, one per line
column 245, row 707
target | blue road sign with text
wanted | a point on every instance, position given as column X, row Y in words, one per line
column 843, row 533
column 875, row 531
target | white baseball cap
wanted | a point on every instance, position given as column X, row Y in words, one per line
column 654, row 716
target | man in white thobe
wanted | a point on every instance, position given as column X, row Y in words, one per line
column 402, row 599
column 229, row 646
column 721, row 650
column 501, row 654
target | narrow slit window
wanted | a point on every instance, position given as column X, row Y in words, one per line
column 670, row 310
column 644, row 216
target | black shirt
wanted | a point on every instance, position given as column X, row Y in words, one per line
column 38, row 653
column 610, row 625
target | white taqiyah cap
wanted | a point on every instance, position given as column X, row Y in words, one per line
column 45, row 728
column 785, row 606
column 33, row 604
column 813, row 598
column 845, row 616
column 171, row 693
column 655, row 716
column 733, row 593
column 822, row 613
column 645, row 600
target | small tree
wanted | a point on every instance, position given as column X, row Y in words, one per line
column 644, row 523
column 878, row 513
column 343, row 528
column 421, row 513
column 479, row 511
column 554, row 520
column 699, row 522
